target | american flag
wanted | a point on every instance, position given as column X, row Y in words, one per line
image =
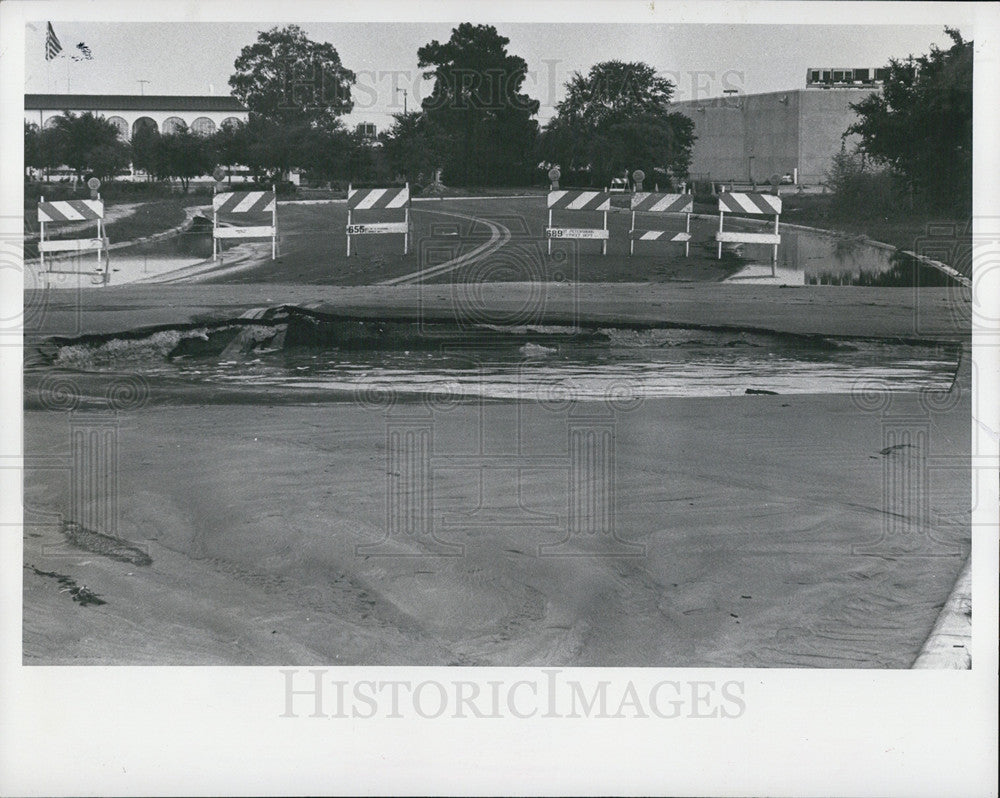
column 85, row 54
column 52, row 45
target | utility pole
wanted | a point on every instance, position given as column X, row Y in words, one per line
column 404, row 99
column 142, row 87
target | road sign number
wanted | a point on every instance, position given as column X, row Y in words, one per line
column 376, row 228
column 575, row 232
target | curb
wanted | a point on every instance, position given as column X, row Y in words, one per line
column 189, row 214
column 934, row 264
column 947, row 646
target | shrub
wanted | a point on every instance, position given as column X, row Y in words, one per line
column 859, row 188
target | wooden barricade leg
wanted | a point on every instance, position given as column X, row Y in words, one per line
column 774, row 258
column 604, row 241
column 348, row 220
column 406, row 219
column 41, row 239
column 100, row 246
column 215, row 226
column 687, row 243
column 548, row 234
column 274, row 224
column 719, row 255
column 631, row 239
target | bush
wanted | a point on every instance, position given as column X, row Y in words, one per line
column 859, row 188
column 283, row 188
column 703, row 190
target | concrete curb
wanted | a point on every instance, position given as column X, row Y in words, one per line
column 948, row 645
column 189, row 214
column 871, row 242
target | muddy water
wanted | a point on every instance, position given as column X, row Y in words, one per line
column 344, row 359
column 807, row 258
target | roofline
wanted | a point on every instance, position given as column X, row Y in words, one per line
column 53, row 101
column 783, row 92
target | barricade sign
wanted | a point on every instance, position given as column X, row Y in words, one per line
column 595, row 201
column 244, row 202
column 62, row 211
column 756, row 204
column 379, row 199
column 650, row 202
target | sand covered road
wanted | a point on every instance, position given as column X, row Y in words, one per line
column 749, row 511
column 929, row 314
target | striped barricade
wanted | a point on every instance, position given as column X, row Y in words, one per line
column 62, row 211
column 649, row 202
column 756, row 204
column 243, row 202
column 379, row 199
column 573, row 200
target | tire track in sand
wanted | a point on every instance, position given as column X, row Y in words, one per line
column 499, row 235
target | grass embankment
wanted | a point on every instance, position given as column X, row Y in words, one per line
column 146, row 219
column 943, row 237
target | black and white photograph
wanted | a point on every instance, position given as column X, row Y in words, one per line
column 585, row 383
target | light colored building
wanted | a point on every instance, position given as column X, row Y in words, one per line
column 128, row 112
column 750, row 137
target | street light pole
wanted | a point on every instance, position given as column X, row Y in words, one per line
column 404, row 100
column 142, row 87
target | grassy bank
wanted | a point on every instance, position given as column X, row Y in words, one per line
column 942, row 237
column 145, row 220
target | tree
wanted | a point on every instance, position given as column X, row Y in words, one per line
column 230, row 143
column 145, row 143
column 273, row 148
column 617, row 118
column 183, row 155
column 286, row 77
column 107, row 160
column 32, row 148
column 415, row 146
column 81, row 139
column 921, row 123
column 478, row 107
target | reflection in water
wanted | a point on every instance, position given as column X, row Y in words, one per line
column 844, row 260
column 806, row 258
column 133, row 263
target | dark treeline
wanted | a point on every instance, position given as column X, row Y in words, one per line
column 478, row 126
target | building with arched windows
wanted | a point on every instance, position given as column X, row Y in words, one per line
column 202, row 115
column 129, row 112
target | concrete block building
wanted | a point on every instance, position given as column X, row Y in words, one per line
column 750, row 137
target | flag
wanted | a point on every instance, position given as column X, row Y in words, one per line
column 52, row 45
column 85, row 54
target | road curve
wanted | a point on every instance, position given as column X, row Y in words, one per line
column 499, row 235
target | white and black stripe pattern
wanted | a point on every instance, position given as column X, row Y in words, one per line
column 70, row 210
column 244, row 202
column 656, row 235
column 52, row 45
column 749, row 203
column 363, row 199
column 579, row 200
column 649, row 202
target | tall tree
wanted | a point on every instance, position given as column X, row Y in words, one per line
column 286, row 77
column 184, row 155
column 80, row 137
column 415, row 146
column 615, row 118
column 477, row 103
column 145, row 143
column 921, row 123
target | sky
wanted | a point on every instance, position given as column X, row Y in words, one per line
column 701, row 59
